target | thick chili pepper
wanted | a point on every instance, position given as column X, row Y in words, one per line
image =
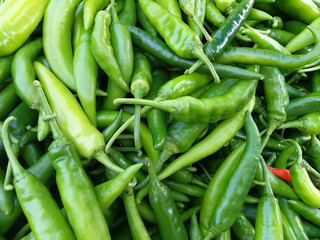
column 213, row 15
column 102, row 49
column 74, row 124
column 8, row 100
column 309, row 123
column 288, row 232
column 42, row 212
column 309, row 213
column 159, row 49
column 268, row 223
column 123, row 53
column 5, row 66
column 57, row 42
column 128, row 13
column 281, row 173
column 307, row 104
column 18, row 20
column 311, row 230
column 313, row 152
column 90, row 10
column 232, row 197
column 31, row 153
column 157, row 118
column 169, row 221
column 85, row 77
column 194, row 231
column 293, row 219
column 6, row 197
column 188, row 45
column 242, row 228
column 191, row 110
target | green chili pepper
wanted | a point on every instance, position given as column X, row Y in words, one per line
column 268, row 219
column 288, row 232
column 128, row 13
column 242, row 228
column 102, row 49
column 309, row 213
column 232, row 198
column 6, row 197
column 57, row 42
column 308, row 123
column 31, row 153
column 169, row 221
column 74, row 124
column 85, row 77
column 8, row 100
column 18, row 20
column 280, row 35
column 43, row 128
column 144, row 21
column 90, row 9
column 188, row 45
column 112, row 128
column 194, row 231
column 313, row 152
column 42, row 212
column 311, row 230
column 213, row 15
column 5, row 66
column 188, row 189
column 123, row 52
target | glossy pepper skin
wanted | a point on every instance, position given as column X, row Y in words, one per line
column 169, row 221
column 8, row 100
column 42, row 212
column 102, row 49
column 304, row 105
column 6, row 197
column 18, row 20
column 57, row 43
column 309, row 213
column 90, row 9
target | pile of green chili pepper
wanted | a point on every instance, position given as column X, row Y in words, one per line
column 160, row 119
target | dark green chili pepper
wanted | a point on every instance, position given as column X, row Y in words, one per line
column 6, row 197
column 268, row 223
column 304, row 105
column 169, row 221
column 311, row 230
column 188, row 189
column 309, row 123
column 315, row 81
column 194, row 231
column 102, row 49
column 192, row 110
column 313, row 152
column 157, row 119
column 123, row 53
column 8, row 100
column 293, row 219
column 187, row 45
column 280, row 35
column 28, row 137
column 232, row 198
column 295, row 92
column 137, row 227
column 5, row 66
column 309, row 213
column 128, row 13
column 31, row 153
column 42, row 212
column 145, row 22
column 112, row 128
column 242, row 228
column 288, row 232
column 140, row 86
column 159, row 49
column 85, row 77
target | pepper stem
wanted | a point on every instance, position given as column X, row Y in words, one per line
column 18, row 171
column 292, row 124
column 106, row 161
column 203, row 30
column 271, row 127
column 114, row 14
column 267, row 188
column 194, row 67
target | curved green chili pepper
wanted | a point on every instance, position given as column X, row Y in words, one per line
column 188, row 189
column 213, row 15
column 194, row 231
column 242, row 228
column 6, row 197
column 188, row 45
column 43, row 128
column 288, row 232
column 42, row 212
column 308, row 123
column 128, row 13
column 144, row 21
column 102, row 49
column 8, row 100
column 85, row 77
column 90, row 10
column 309, row 213
column 112, row 128
column 57, row 44
column 304, row 105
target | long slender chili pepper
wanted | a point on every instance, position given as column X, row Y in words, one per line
column 309, row 213
column 90, row 10
column 268, row 223
column 112, row 128
column 213, row 15
column 102, row 49
column 313, row 152
column 310, row 229
column 288, row 232
column 144, row 21
column 304, row 105
column 6, row 197
column 74, row 124
column 128, row 14
column 5, row 66
column 194, row 231
column 123, row 52
column 42, row 212
column 232, row 198
column 242, row 228
column 188, row 45
column 8, row 100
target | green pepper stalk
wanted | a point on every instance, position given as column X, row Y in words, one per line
column 169, row 221
column 102, row 49
column 187, row 45
column 188, row 7
column 42, row 212
column 309, row 123
column 268, row 223
column 72, row 120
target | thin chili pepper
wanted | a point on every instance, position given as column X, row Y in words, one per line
column 179, row 197
column 313, row 152
column 293, row 218
column 90, row 9
column 280, row 35
column 128, row 13
column 33, row 194
column 102, row 49
column 191, row 110
column 157, row 119
column 28, row 137
column 306, row 11
column 270, row 58
column 281, row 173
column 309, row 213
column 145, row 22
column 43, row 128
column 6, row 197
column 304, row 105
column 137, row 227
column 8, row 100
column 57, row 42
column 225, row 34
column 188, row 45
column 74, row 124
column 194, row 230
column 288, row 232
column 225, row 5
column 85, row 77
column 232, row 197
column 185, row 176
column 123, row 53
column 242, row 228
column 268, row 223
column 193, row 10
column 31, row 153
column 315, row 81
column 5, row 66
column 188, row 189
column 169, row 221
column 295, row 92
column 311, row 230
column 159, row 49
column 213, row 15
column 112, row 128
